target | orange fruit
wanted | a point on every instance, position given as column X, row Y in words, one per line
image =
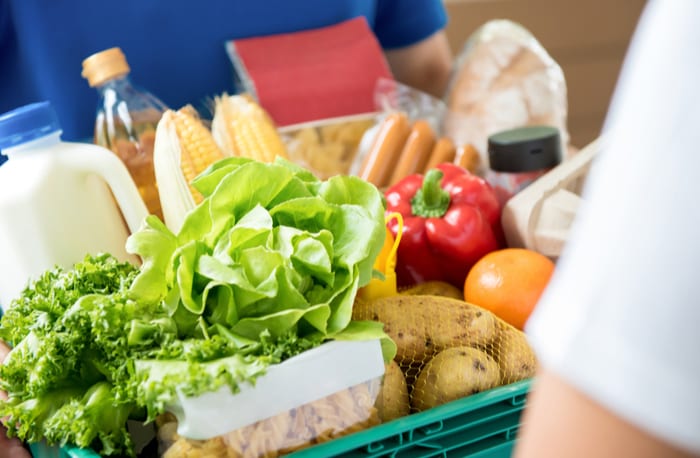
column 508, row 282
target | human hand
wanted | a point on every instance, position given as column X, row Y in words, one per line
column 9, row 448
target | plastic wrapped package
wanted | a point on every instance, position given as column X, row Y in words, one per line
column 316, row 396
column 503, row 79
column 406, row 138
column 392, row 96
column 339, row 145
column 330, row 146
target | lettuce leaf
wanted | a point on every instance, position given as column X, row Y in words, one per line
column 266, row 267
column 76, row 335
column 270, row 247
column 271, row 250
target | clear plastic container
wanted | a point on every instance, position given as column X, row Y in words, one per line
column 331, row 146
column 126, row 119
column 316, row 396
column 57, row 200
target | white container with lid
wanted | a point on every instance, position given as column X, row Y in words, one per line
column 57, row 200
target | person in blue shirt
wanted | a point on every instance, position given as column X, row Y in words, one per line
column 177, row 50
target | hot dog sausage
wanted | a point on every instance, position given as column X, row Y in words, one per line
column 387, row 145
column 468, row 157
column 443, row 151
column 415, row 152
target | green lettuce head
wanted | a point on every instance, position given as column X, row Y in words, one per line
column 270, row 249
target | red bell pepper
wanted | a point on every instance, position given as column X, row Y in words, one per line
column 451, row 218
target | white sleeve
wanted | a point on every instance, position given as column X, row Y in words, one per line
column 620, row 319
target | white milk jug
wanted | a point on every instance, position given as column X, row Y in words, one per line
column 59, row 201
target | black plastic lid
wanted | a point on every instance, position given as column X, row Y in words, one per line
column 525, row 149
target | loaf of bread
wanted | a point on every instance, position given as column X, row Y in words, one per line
column 503, row 79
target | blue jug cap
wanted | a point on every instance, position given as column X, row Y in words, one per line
column 27, row 123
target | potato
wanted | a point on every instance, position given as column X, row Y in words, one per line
column 513, row 354
column 392, row 401
column 435, row 288
column 422, row 325
column 453, row 374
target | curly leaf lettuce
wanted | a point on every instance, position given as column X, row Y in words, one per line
column 266, row 267
column 76, row 336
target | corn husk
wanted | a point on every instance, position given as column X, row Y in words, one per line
column 183, row 148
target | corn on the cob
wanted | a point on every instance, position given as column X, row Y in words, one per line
column 241, row 127
column 197, row 146
column 183, row 148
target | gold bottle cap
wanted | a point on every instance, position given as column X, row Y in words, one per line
column 104, row 65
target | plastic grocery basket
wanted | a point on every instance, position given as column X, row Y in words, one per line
column 41, row 450
column 483, row 425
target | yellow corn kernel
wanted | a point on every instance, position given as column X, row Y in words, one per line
column 249, row 129
column 199, row 150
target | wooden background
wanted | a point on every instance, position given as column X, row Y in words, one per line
column 588, row 38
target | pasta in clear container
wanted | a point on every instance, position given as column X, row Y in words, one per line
column 331, row 146
column 240, row 425
column 333, row 416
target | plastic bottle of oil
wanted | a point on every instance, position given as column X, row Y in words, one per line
column 126, row 119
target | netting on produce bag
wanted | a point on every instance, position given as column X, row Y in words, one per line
column 447, row 349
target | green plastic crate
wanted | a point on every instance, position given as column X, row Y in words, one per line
column 483, row 425
column 41, row 450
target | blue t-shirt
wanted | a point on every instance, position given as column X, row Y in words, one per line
column 174, row 48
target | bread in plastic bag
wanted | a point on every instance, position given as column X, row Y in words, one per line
column 503, row 78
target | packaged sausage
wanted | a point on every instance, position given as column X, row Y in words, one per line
column 388, row 142
column 415, row 152
column 390, row 96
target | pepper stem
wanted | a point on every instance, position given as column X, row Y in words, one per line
column 431, row 201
